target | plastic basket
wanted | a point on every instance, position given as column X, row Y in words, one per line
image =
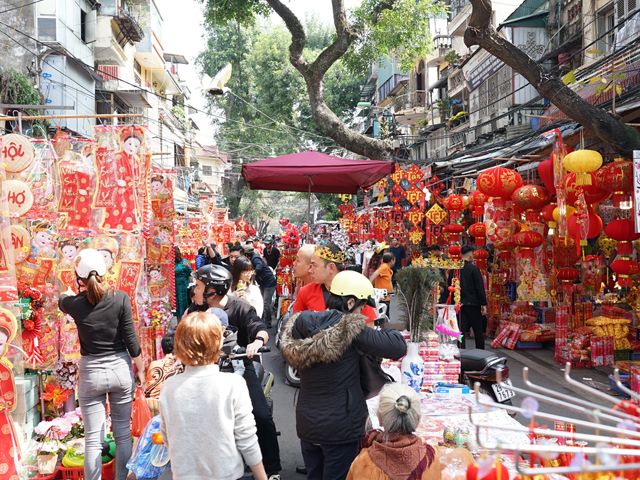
column 57, row 475
column 625, row 381
column 77, row 473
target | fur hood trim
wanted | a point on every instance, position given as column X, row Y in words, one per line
column 326, row 346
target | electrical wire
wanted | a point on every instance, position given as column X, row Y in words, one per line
column 21, row 6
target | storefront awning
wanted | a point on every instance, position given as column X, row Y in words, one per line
column 134, row 98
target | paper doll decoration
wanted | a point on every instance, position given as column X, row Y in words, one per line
column 109, row 248
column 35, row 269
column 9, row 446
column 16, row 152
column 68, row 249
column 160, row 245
column 592, row 274
column 162, row 198
column 157, row 283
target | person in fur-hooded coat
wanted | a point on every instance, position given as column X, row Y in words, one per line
column 331, row 412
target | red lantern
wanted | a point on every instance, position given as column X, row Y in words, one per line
column 565, row 253
column 455, row 251
column 617, row 177
column 593, row 193
column 545, row 170
column 547, row 214
column 454, row 202
column 624, row 269
column 499, row 182
column 568, row 274
column 481, row 256
column 527, row 241
column 595, row 226
column 454, row 230
column 477, row 200
column 531, row 197
column 624, row 232
column 479, row 232
column 505, row 248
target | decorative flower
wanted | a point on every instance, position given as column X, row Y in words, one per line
column 55, row 394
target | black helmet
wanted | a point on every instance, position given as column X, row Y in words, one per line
column 216, row 277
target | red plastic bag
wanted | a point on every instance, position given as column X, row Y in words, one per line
column 140, row 414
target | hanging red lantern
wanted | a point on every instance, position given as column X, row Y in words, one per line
column 499, row 182
column 568, row 274
column 527, row 241
column 479, row 232
column 595, row 226
column 481, row 256
column 617, row 177
column 477, row 200
column 593, row 193
column 625, row 268
column 455, row 251
column 624, row 232
column 547, row 214
column 564, row 252
column 454, row 203
column 454, row 230
column 506, row 248
column 531, row 198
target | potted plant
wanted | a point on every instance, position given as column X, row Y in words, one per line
column 52, row 436
column 416, row 288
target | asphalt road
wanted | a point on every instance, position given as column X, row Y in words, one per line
column 543, row 371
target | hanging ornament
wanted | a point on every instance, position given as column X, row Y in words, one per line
column 624, row 232
column 617, row 177
column 545, row 170
column 528, row 241
column 593, row 193
column 531, row 198
column 477, row 200
column 582, row 163
column 479, row 232
column 481, row 256
column 499, row 182
column 625, row 269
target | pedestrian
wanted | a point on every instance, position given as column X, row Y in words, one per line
column 266, row 280
column 201, row 258
column 160, row 370
column 271, row 253
column 382, row 277
column 302, row 264
column 376, row 259
column 108, row 344
column 400, row 254
column 182, row 271
column 325, row 347
column 395, row 452
column 472, row 297
column 203, row 402
column 212, row 285
column 243, row 284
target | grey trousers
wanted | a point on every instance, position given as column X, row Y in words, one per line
column 267, row 298
column 110, row 375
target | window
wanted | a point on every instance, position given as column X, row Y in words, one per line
column 604, row 23
column 83, row 26
column 207, row 171
column 47, row 21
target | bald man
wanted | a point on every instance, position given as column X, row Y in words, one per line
column 302, row 264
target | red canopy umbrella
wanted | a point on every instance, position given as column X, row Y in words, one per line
column 314, row 172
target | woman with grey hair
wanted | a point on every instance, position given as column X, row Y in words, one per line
column 396, row 453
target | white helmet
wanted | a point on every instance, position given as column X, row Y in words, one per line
column 90, row 260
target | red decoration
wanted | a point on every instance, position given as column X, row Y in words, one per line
column 477, row 200
column 481, row 256
column 498, row 472
column 531, row 197
column 284, row 222
column 414, row 195
column 396, row 193
column 593, row 193
column 499, row 182
column 479, row 232
column 547, row 212
column 455, row 251
column 454, row 203
column 527, row 241
column 595, row 226
column 568, row 274
column 413, row 175
column 624, row 269
column 545, row 170
column 624, row 232
column 564, row 251
column 454, row 230
column 617, row 177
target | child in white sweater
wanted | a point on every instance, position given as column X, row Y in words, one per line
column 207, row 421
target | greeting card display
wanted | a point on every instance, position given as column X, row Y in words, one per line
column 162, row 197
column 37, row 268
column 78, row 187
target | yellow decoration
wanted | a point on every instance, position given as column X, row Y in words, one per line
column 570, row 211
column 345, row 197
column 326, row 253
column 436, row 214
column 582, row 163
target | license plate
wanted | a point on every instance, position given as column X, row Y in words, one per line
column 503, row 394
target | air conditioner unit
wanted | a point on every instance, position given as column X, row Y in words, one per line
column 470, row 137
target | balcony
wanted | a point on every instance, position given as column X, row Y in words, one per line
column 150, row 52
column 442, row 47
column 128, row 22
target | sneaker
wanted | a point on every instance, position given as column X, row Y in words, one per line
column 274, row 477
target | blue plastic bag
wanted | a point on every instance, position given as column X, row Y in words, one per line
column 149, row 460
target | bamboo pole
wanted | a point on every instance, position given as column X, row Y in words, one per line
column 54, row 117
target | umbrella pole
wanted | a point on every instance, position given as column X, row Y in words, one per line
column 309, row 213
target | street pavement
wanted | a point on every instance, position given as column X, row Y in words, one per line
column 543, row 371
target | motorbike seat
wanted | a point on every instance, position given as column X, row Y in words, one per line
column 259, row 370
column 475, row 360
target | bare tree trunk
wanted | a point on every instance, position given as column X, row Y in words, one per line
column 480, row 32
column 314, row 72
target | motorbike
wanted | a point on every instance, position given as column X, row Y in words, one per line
column 290, row 373
column 481, row 366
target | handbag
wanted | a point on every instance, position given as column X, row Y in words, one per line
column 372, row 377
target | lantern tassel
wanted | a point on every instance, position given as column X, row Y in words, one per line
column 583, row 179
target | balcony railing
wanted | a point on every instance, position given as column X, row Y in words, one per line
column 455, row 6
column 129, row 25
column 417, row 98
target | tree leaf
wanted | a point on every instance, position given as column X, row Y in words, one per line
column 618, row 89
column 594, row 80
column 607, row 89
column 569, row 78
column 594, row 50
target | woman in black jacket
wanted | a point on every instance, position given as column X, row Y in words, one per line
column 325, row 347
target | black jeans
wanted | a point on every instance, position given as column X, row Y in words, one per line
column 267, row 435
column 471, row 318
column 328, row 462
column 267, row 297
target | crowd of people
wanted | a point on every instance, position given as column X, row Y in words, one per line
column 331, row 329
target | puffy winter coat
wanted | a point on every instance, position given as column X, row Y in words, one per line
column 331, row 406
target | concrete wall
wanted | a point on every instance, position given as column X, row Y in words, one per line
column 12, row 55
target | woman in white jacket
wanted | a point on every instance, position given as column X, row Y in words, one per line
column 243, row 284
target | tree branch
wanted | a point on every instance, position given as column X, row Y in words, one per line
column 480, row 32
column 313, row 74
